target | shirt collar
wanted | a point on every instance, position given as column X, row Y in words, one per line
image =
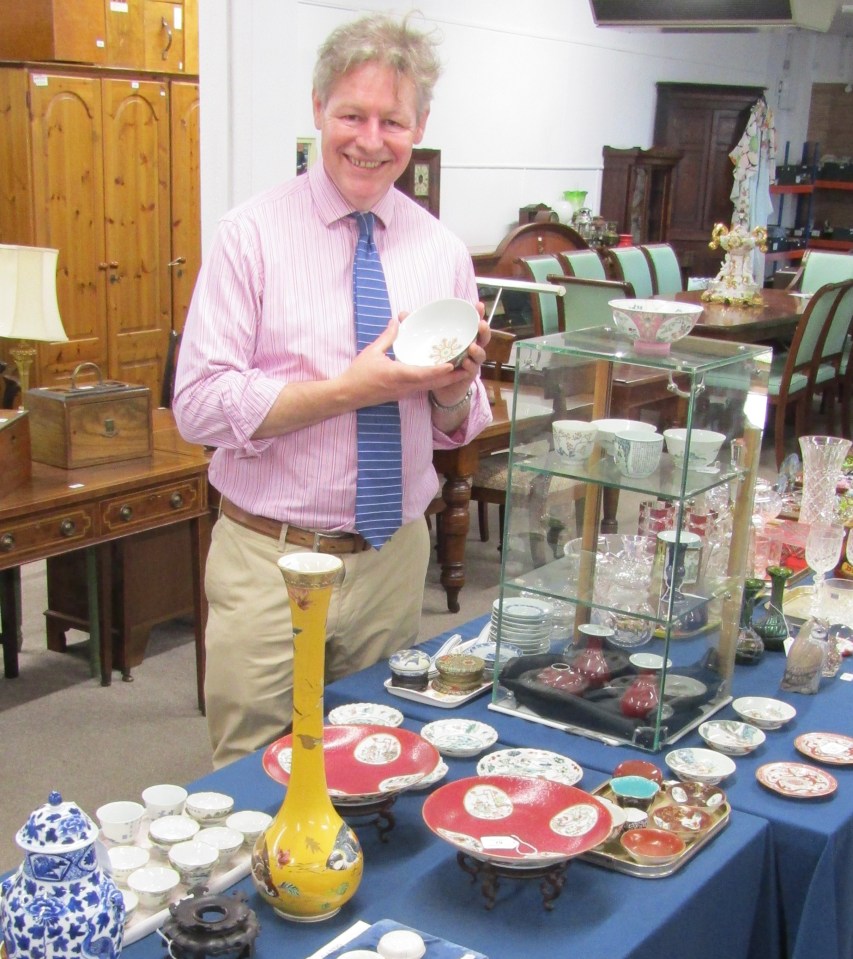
column 331, row 206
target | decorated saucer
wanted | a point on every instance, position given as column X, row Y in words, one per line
column 532, row 763
column 365, row 714
column 835, row 749
column 459, row 737
column 796, row 780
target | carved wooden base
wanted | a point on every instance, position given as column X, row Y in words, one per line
column 551, row 878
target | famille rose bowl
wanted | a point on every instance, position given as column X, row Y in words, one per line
column 439, row 332
column 654, row 325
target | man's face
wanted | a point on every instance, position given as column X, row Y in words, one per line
column 368, row 128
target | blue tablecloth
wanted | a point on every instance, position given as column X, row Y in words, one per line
column 812, row 839
column 720, row 904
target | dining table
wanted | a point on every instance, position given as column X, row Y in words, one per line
column 809, row 871
column 775, row 318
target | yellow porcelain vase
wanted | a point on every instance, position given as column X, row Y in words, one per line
column 308, row 862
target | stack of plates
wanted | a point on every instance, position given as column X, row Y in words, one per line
column 526, row 623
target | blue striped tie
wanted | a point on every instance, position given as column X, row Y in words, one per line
column 379, row 488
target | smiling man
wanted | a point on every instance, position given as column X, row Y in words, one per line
column 277, row 372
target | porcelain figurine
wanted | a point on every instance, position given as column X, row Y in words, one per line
column 60, row 904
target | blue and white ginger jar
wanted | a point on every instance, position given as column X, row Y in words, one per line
column 61, row 904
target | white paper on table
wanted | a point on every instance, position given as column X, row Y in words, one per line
column 356, row 929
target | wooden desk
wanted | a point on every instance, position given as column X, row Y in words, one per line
column 59, row 510
column 777, row 318
column 458, row 466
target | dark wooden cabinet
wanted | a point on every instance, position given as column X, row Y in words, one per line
column 705, row 122
column 636, row 191
column 421, row 180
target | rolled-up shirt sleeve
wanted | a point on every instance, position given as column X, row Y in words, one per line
column 221, row 397
column 478, row 418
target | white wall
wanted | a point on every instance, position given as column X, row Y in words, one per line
column 530, row 94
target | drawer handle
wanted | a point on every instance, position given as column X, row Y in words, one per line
column 126, row 513
column 68, row 527
column 176, row 500
column 7, row 542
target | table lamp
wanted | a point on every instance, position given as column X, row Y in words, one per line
column 28, row 307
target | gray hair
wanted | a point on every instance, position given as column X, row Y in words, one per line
column 379, row 39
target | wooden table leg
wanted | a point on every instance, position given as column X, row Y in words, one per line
column 10, row 617
column 452, row 533
column 101, row 608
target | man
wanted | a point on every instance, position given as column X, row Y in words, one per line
column 271, row 375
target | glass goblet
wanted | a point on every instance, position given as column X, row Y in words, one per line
column 823, row 549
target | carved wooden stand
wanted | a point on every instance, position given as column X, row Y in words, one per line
column 550, row 885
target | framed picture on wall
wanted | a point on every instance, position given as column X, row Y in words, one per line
column 421, row 180
column 306, row 153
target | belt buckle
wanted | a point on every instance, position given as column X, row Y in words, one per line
column 319, row 536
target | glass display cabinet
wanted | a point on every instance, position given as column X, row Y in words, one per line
column 625, row 552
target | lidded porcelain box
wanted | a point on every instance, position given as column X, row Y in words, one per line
column 61, row 903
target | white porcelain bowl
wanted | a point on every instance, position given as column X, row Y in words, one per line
column 401, row 944
column 704, row 447
column 764, row 712
column 227, row 841
column 250, row 822
column 119, row 820
column 153, row 885
column 167, row 830
column 194, row 860
column 731, row 737
column 574, row 440
column 126, row 859
column 439, row 332
column 164, row 799
column 700, row 765
column 607, row 430
column 654, row 325
column 209, row 808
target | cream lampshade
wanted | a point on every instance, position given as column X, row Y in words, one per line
column 28, row 307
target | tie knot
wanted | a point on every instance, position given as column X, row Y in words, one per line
column 365, row 225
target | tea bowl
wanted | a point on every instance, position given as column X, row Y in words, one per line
column 607, row 430
column 250, row 822
column 439, row 332
column 704, row 447
column 194, row 861
column 574, row 440
column 226, row 841
column 654, row 325
column 731, row 737
column 167, row 830
column 685, row 821
column 637, row 452
column 652, row 846
column 701, row 795
column 209, row 808
column 700, row 765
column 164, row 799
column 126, row 859
column 153, row 885
column 639, row 767
column 120, row 820
column 637, row 791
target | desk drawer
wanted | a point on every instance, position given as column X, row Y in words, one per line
column 51, row 533
column 158, row 506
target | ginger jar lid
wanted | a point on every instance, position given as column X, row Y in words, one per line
column 56, row 826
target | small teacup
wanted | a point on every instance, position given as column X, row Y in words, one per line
column 154, row 885
column 634, row 791
column 194, row 861
column 125, row 859
column 119, row 820
column 574, row 440
column 225, row 840
column 164, row 800
column 637, row 452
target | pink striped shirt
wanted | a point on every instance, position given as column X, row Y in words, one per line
column 273, row 305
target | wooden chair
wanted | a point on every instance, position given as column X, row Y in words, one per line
column 631, row 266
column 834, row 356
column 547, row 309
column 665, row 268
column 793, row 374
column 583, row 263
column 586, row 302
column 819, row 267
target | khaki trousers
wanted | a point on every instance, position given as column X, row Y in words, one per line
column 374, row 611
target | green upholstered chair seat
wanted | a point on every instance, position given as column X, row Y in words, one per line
column 799, row 381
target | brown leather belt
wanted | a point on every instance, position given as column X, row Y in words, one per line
column 316, row 541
